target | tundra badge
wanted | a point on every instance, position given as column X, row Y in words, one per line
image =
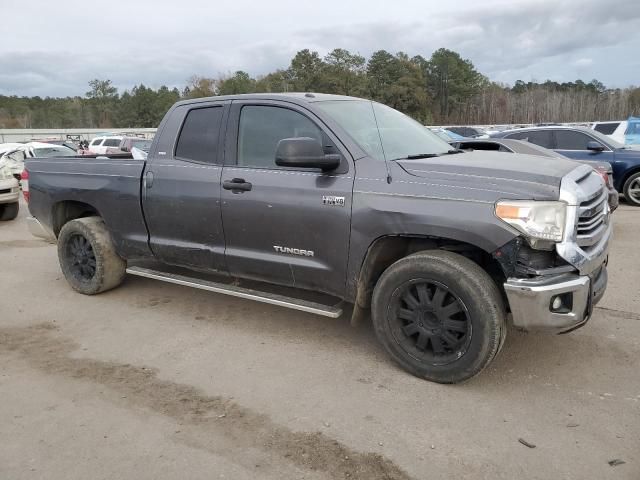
column 294, row 251
column 332, row 200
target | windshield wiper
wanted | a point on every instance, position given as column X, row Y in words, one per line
column 417, row 156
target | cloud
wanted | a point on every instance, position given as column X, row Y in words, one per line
column 161, row 42
column 583, row 62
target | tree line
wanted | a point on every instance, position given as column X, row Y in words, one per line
column 443, row 89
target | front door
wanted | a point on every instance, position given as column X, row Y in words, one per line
column 282, row 225
column 573, row 144
column 181, row 189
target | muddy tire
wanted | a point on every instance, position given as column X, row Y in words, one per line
column 631, row 190
column 88, row 258
column 9, row 211
column 439, row 315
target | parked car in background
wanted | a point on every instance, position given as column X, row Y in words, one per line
column 9, row 194
column 447, row 135
column 507, row 145
column 632, row 133
column 468, row 132
column 128, row 143
column 579, row 143
column 16, row 156
column 65, row 143
column 613, row 129
column 99, row 145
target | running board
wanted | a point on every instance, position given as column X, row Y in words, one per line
column 235, row 291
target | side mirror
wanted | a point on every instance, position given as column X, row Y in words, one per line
column 304, row 152
column 124, row 149
column 595, row 146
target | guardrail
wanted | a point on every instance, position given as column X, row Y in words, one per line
column 8, row 135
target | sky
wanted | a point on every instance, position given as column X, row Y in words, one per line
column 53, row 48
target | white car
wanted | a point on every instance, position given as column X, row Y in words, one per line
column 15, row 156
column 9, row 194
column 615, row 130
column 99, row 145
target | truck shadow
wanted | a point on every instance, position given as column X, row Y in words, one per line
column 571, row 359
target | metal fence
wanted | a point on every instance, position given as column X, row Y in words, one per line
column 8, row 135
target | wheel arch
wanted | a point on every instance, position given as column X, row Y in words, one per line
column 386, row 250
column 64, row 211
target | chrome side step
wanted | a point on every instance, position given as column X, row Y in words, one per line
column 235, row 291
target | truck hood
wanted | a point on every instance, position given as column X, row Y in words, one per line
column 489, row 176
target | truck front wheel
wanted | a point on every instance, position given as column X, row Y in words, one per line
column 439, row 315
column 87, row 256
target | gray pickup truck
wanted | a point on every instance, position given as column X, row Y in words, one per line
column 292, row 198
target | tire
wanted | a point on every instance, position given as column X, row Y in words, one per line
column 453, row 324
column 9, row 211
column 88, row 258
column 631, row 190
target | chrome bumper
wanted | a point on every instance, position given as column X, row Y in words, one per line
column 531, row 300
column 38, row 230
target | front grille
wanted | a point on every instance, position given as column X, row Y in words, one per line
column 5, row 190
column 592, row 219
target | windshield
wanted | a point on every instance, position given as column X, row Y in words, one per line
column 382, row 132
column 53, row 151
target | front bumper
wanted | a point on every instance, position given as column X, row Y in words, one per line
column 9, row 191
column 38, row 230
column 531, row 300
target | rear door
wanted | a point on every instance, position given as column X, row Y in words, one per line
column 181, row 188
column 284, row 226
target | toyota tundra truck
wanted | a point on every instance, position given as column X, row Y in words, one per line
column 327, row 204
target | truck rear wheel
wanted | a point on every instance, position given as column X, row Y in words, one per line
column 439, row 315
column 88, row 258
column 9, row 211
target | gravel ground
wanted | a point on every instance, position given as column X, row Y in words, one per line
column 154, row 381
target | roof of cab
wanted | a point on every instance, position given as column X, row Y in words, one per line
column 294, row 97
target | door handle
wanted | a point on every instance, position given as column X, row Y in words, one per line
column 148, row 180
column 237, row 185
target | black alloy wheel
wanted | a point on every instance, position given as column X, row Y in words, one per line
column 430, row 322
column 82, row 257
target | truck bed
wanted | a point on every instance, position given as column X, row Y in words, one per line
column 61, row 185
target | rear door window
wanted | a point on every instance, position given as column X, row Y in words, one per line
column 198, row 140
column 544, row 138
column 111, row 142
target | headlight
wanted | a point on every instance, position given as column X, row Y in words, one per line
column 542, row 223
column 5, row 173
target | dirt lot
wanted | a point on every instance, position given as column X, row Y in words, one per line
column 154, row 381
